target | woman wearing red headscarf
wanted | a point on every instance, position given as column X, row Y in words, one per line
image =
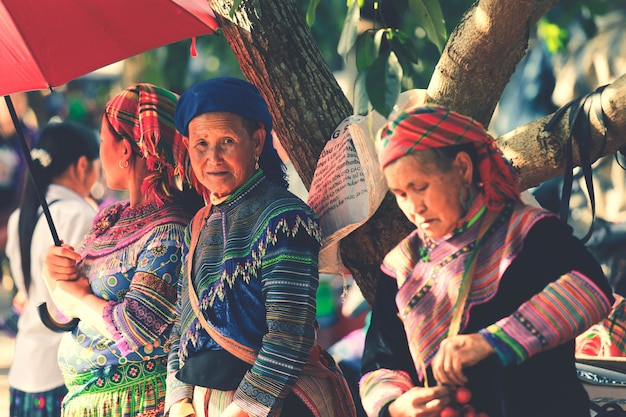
column 122, row 282
column 487, row 293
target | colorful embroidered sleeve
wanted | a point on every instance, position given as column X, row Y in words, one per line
column 289, row 268
column 608, row 337
column 147, row 309
column 379, row 388
column 177, row 390
column 386, row 365
column 564, row 309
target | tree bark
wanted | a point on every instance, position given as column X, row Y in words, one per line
column 539, row 157
column 277, row 53
column 482, row 53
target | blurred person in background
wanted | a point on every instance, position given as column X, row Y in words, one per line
column 12, row 179
column 66, row 163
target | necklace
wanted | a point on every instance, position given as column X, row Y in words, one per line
column 430, row 244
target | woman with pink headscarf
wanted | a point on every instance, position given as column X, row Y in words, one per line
column 487, row 293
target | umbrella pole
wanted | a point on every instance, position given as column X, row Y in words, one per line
column 31, row 169
column 44, row 314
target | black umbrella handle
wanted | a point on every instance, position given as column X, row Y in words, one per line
column 52, row 324
column 44, row 314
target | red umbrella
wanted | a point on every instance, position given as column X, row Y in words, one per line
column 48, row 43
column 45, row 43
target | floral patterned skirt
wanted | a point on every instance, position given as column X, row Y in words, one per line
column 134, row 390
column 36, row 404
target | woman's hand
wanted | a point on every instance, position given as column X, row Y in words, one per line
column 182, row 408
column 60, row 264
column 68, row 296
column 420, row 402
column 456, row 353
column 233, row 410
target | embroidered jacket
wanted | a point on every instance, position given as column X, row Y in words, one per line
column 255, row 272
column 132, row 258
column 534, row 289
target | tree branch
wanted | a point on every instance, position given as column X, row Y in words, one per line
column 482, row 53
column 538, row 158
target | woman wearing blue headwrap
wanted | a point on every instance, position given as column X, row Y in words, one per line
column 245, row 340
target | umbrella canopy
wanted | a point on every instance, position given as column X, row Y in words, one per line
column 48, row 43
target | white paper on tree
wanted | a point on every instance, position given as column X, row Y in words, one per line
column 348, row 185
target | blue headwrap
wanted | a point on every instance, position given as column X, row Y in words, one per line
column 228, row 94
column 236, row 96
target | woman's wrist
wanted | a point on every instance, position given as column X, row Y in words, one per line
column 182, row 408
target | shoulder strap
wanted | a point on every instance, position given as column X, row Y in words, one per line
column 236, row 349
column 41, row 212
column 468, row 274
column 580, row 129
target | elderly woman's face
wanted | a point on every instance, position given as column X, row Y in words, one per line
column 428, row 197
column 222, row 151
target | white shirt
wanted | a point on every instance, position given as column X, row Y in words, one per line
column 35, row 364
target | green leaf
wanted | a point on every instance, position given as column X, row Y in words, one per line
column 361, row 100
column 350, row 30
column 404, row 48
column 384, row 82
column 430, row 17
column 310, row 12
column 554, row 36
column 378, row 39
column 365, row 52
column 236, row 4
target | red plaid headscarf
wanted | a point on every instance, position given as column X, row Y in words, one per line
column 144, row 115
column 434, row 126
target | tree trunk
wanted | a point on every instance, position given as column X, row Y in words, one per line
column 278, row 54
column 482, row 53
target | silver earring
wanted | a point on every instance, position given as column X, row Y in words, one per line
column 123, row 163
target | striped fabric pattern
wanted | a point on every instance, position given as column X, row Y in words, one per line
column 256, row 276
column 135, row 390
column 608, row 337
column 144, row 115
column 563, row 310
column 382, row 387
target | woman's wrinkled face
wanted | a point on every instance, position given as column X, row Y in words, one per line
column 429, row 197
column 222, row 151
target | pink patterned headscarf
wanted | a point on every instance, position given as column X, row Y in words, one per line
column 434, row 126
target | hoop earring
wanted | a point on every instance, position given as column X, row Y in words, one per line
column 123, row 163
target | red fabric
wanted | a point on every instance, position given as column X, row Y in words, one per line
column 48, row 43
column 432, row 126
